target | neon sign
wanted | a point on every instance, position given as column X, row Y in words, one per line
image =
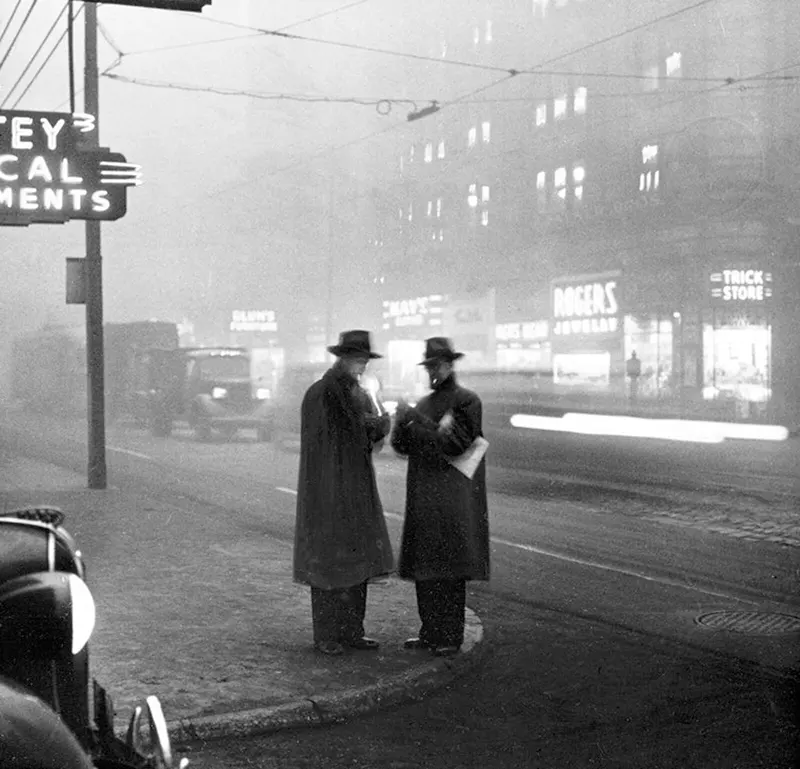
column 49, row 173
column 253, row 320
column 587, row 307
column 420, row 311
column 733, row 286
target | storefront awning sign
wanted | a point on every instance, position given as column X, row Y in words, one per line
column 733, row 286
column 50, row 173
column 253, row 320
column 585, row 307
column 419, row 311
column 531, row 331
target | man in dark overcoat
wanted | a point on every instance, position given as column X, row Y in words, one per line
column 446, row 531
column 341, row 540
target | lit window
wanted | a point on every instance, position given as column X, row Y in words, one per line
column 485, row 193
column 488, row 37
column 541, row 114
column 541, row 192
column 540, row 7
column 674, row 65
column 411, row 154
column 441, row 235
column 472, row 198
column 560, row 107
column 485, row 218
column 560, row 184
column 441, row 149
column 649, row 175
column 560, row 3
column 650, row 81
column 579, row 101
column 578, row 176
column 430, row 208
column 486, row 131
column 438, row 208
column 402, row 159
column 428, row 152
column 650, row 153
column 433, row 235
column 410, row 211
column 399, row 213
column 472, row 137
column 476, row 35
column 444, row 49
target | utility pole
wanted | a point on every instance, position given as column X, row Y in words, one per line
column 95, row 364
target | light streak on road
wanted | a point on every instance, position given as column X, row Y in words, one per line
column 639, row 427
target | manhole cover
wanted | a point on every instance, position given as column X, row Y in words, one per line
column 752, row 622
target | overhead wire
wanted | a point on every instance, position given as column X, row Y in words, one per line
column 47, row 60
column 19, row 32
column 35, row 55
column 10, row 19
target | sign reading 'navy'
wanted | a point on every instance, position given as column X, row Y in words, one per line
column 50, row 173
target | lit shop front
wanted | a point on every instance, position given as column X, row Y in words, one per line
column 587, row 333
column 737, row 339
column 523, row 346
column 406, row 325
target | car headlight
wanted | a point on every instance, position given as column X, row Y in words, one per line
column 263, row 393
column 83, row 612
column 218, row 392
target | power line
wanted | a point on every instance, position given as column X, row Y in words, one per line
column 19, row 32
column 47, row 60
column 33, row 58
column 10, row 19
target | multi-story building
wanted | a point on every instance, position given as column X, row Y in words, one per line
column 629, row 186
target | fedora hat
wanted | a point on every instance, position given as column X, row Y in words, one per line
column 355, row 342
column 439, row 348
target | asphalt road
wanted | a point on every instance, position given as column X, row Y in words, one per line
column 639, row 562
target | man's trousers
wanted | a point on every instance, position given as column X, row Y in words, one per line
column 338, row 615
column 441, row 603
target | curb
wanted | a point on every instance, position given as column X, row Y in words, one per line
column 333, row 708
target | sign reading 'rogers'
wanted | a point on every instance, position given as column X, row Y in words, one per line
column 587, row 307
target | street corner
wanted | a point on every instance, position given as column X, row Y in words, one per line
column 421, row 676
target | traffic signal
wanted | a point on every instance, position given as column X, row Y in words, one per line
column 166, row 5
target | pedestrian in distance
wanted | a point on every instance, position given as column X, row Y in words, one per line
column 633, row 368
column 445, row 539
column 341, row 540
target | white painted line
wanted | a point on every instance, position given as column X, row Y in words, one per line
column 132, row 453
column 617, row 570
column 582, row 562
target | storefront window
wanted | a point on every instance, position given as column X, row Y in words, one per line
column 736, row 360
column 651, row 338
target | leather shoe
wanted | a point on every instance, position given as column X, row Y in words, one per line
column 362, row 644
column 331, row 648
column 417, row 643
column 446, row 651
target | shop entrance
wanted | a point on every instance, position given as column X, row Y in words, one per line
column 737, row 352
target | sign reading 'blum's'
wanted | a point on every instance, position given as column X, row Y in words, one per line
column 49, row 172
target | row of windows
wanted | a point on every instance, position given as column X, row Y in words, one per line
column 553, row 188
column 542, row 7
column 669, row 68
column 562, row 106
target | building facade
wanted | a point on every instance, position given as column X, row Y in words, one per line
column 629, row 186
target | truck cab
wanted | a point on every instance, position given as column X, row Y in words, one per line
column 209, row 388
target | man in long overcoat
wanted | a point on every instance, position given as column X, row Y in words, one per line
column 446, row 531
column 341, row 540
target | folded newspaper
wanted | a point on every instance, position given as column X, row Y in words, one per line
column 467, row 463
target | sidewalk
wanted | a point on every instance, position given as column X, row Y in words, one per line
column 205, row 615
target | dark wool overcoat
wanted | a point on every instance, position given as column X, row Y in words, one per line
column 341, row 538
column 446, row 529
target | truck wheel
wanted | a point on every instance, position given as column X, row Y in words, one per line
column 161, row 427
column 202, row 430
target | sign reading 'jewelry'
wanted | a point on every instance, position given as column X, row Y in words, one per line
column 50, row 173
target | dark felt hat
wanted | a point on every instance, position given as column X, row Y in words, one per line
column 355, row 342
column 439, row 348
